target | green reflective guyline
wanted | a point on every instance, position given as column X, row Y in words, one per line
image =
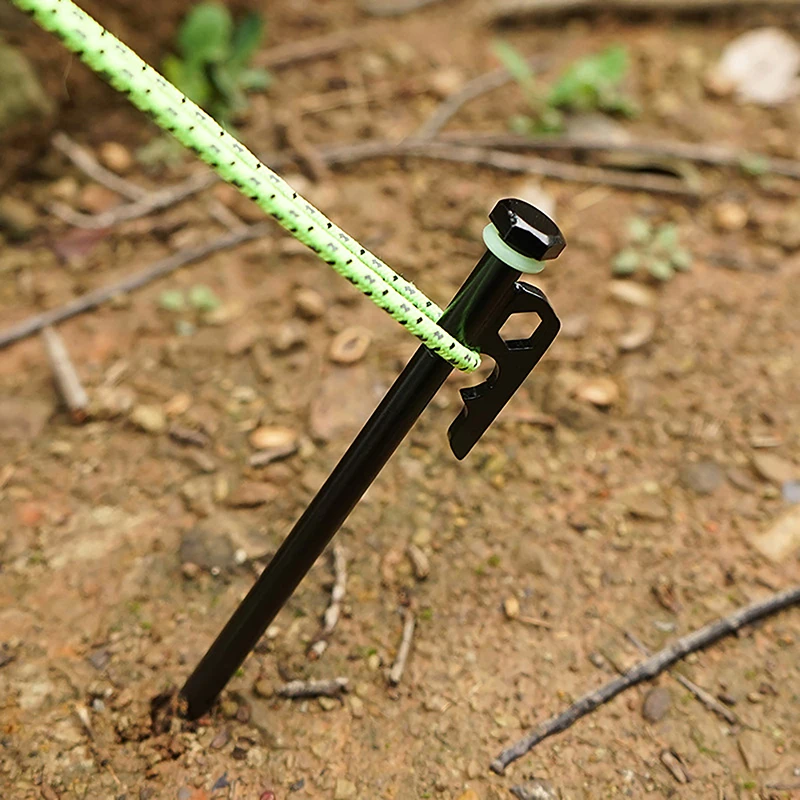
column 234, row 163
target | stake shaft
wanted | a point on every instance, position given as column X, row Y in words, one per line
column 486, row 288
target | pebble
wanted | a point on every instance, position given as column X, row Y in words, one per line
column 264, row 688
column 536, row 789
column 773, row 468
column 511, row 607
column 601, row 392
column 251, row 494
column 345, row 790
column 290, row 336
column 639, row 334
column 206, row 546
column 149, row 418
column 730, row 216
column 646, row 506
column 178, row 404
column 95, row 199
column 274, row 436
column 782, row 538
column 242, row 339
column 309, row 304
column 18, row 218
column 791, row 491
column 470, row 794
column 327, row 703
column 633, row 294
column 350, row 346
column 229, row 708
column 419, row 562
column 356, row 706
column 656, row 704
column 703, row 478
column 116, row 157
column 447, row 81
column 220, row 740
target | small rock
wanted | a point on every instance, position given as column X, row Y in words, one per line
column 674, row 764
column 601, row 392
column 149, row 418
column 350, row 345
column 356, row 706
column 206, row 547
column 536, row 789
column 99, row 659
column 18, row 218
column 758, row 751
column 638, row 334
column 656, row 704
column 741, row 479
column 190, row 571
column 646, row 506
column 761, row 66
column 290, row 336
column 274, row 436
column 774, row 468
column 116, row 157
column 791, row 491
column 511, row 607
column 782, row 539
column 703, row 478
column 328, row 703
column 309, row 304
column 632, row 293
column 95, row 199
column 470, row 794
column 419, row 562
column 188, row 436
column 345, row 790
column 242, row 339
column 197, row 495
column 178, row 404
column 229, row 708
column 447, row 81
column 220, row 740
column 264, row 688
column 251, row 494
column 729, row 216
column 109, row 402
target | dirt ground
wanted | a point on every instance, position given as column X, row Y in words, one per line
column 625, row 489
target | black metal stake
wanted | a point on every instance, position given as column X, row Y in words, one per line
column 474, row 317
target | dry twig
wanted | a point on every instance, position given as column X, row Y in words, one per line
column 127, row 284
column 393, row 8
column 647, row 670
column 396, row 673
column 304, row 689
column 306, row 50
column 494, row 11
column 477, row 87
column 89, row 165
column 701, row 694
column 708, row 154
column 66, row 377
column 332, row 612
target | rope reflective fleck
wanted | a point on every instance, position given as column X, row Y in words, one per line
column 195, row 129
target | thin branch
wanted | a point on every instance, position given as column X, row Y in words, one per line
column 510, row 10
column 66, row 377
column 89, row 165
column 399, row 666
column 701, row 694
column 647, row 670
column 393, row 8
column 127, row 284
column 709, row 154
column 303, row 689
column 333, row 611
column 477, row 87
column 306, row 50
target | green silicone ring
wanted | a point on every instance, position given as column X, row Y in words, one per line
column 508, row 255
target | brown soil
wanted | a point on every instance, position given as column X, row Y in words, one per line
column 637, row 517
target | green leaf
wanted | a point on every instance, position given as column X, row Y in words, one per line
column 666, row 238
column 203, row 298
column 626, row 262
column 246, row 39
column 754, row 165
column 592, row 83
column 517, row 65
column 205, row 35
column 660, row 269
column 172, row 300
column 189, row 77
column 681, row 260
column 254, row 80
column 639, row 230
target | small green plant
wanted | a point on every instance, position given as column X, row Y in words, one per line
column 213, row 66
column 655, row 249
column 590, row 84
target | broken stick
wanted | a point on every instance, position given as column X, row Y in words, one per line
column 647, row 670
column 396, row 673
column 304, row 689
column 66, row 377
column 320, row 644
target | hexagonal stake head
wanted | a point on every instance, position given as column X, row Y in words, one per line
column 527, row 230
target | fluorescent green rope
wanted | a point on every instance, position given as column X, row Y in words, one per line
column 195, row 129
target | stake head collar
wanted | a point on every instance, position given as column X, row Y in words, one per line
column 527, row 230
